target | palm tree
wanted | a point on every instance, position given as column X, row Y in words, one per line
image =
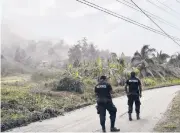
column 143, row 61
column 175, row 60
column 160, row 66
column 162, row 57
column 173, row 66
column 162, row 69
column 114, row 57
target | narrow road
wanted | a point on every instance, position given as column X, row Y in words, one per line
column 154, row 104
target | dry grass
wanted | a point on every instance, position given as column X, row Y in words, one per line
column 171, row 121
column 20, row 106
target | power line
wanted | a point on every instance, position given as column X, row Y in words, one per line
column 160, row 7
column 156, row 17
column 155, row 23
column 123, row 18
column 152, row 15
column 168, row 7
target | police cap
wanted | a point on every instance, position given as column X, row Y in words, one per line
column 103, row 77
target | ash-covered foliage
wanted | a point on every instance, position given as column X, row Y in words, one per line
column 71, row 84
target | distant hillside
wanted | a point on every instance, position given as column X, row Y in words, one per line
column 9, row 66
column 8, row 37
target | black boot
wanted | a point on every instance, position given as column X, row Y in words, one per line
column 137, row 115
column 104, row 129
column 114, row 129
column 130, row 117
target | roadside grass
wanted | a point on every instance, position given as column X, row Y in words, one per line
column 11, row 79
column 20, row 106
column 30, row 101
column 151, row 83
column 171, row 120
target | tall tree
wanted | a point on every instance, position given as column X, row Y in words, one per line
column 143, row 60
column 93, row 53
column 85, row 48
column 75, row 53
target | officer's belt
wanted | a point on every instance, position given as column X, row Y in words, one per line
column 103, row 100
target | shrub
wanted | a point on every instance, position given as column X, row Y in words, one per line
column 89, row 81
column 174, row 81
column 148, row 82
column 71, row 84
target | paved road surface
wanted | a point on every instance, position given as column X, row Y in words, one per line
column 154, row 104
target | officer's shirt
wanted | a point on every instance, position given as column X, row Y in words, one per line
column 133, row 84
column 103, row 90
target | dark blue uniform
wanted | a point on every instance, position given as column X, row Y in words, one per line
column 133, row 94
column 104, row 102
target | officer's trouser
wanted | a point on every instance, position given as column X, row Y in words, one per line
column 131, row 100
column 102, row 113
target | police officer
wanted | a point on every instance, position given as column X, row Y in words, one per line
column 133, row 90
column 104, row 102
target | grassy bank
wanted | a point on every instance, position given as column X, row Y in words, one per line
column 21, row 104
column 171, row 119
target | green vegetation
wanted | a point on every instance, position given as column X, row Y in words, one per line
column 48, row 93
column 171, row 120
column 157, row 82
column 20, row 105
column 70, row 84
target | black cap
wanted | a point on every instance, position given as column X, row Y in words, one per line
column 103, row 77
column 133, row 74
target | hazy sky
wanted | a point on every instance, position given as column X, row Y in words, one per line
column 71, row 20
